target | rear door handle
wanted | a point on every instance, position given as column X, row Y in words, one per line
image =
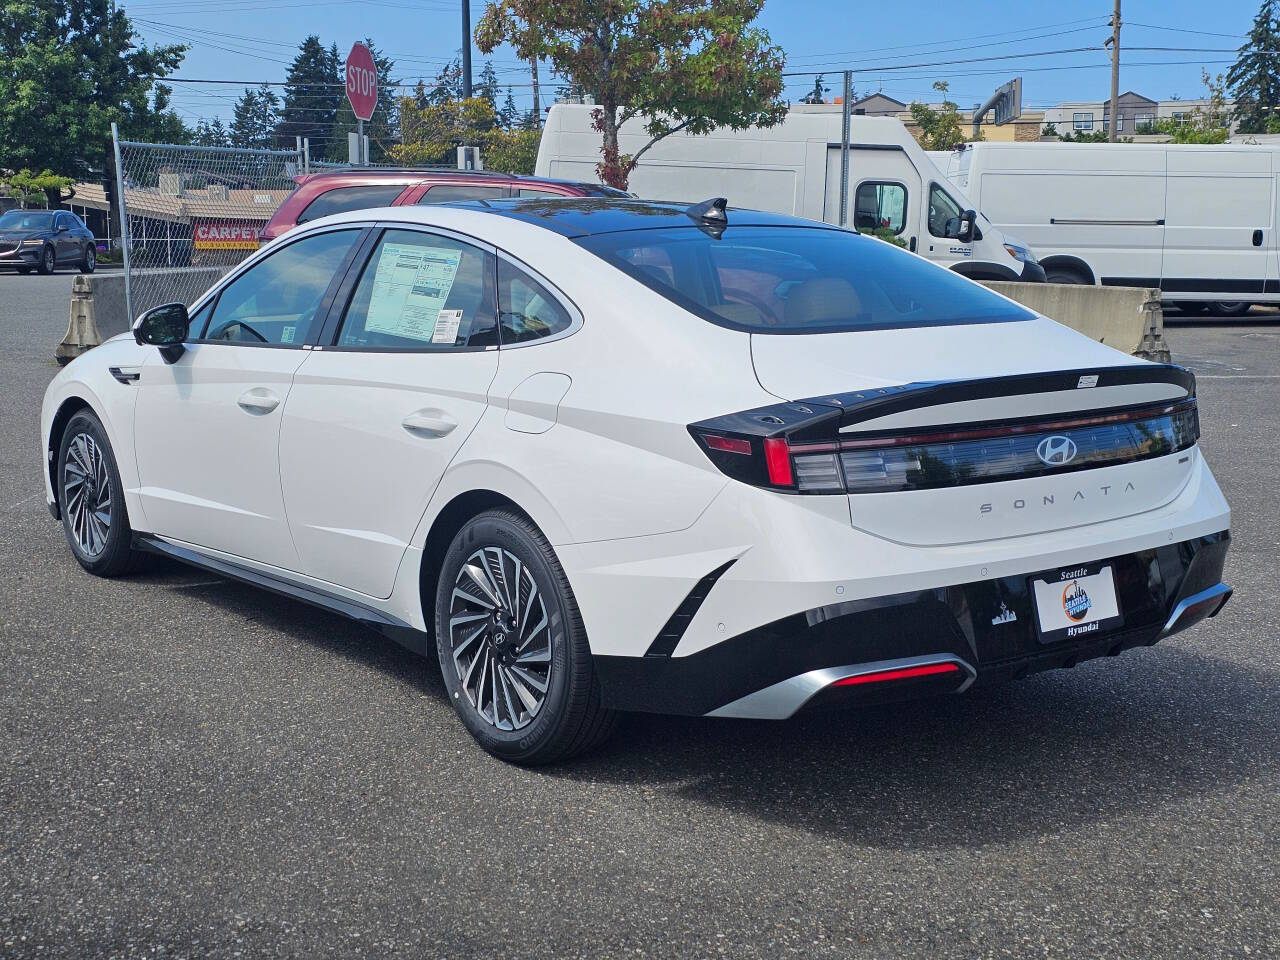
column 429, row 423
column 1257, row 238
column 258, row 401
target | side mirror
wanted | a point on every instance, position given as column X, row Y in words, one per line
column 968, row 226
column 165, row 327
column 61, row 228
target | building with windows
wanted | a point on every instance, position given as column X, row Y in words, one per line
column 1135, row 114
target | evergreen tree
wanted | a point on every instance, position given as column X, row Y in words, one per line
column 509, row 116
column 211, row 134
column 312, row 95
column 1254, row 80
column 256, row 115
column 818, row 94
column 447, row 85
column 487, row 88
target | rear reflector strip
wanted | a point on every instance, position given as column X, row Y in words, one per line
column 906, row 673
column 728, row 444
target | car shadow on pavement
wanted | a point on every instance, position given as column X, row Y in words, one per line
column 1110, row 739
column 1058, row 751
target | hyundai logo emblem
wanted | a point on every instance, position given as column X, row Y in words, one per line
column 1056, row 450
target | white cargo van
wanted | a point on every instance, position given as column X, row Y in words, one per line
column 1196, row 221
column 794, row 168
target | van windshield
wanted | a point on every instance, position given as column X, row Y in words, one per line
column 786, row 280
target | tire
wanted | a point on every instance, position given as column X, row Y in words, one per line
column 1064, row 275
column 48, row 262
column 89, row 262
column 504, row 709
column 86, row 452
column 1229, row 309
column 1192, row 306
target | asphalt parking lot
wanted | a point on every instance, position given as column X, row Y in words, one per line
column 192, row 767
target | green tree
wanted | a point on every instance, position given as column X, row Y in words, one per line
column 433, row 132
column 255, row 117
column 383, row 129
column 312, row 94
column 1253, row 79
column 690, row 65
column 1205, row 125
column 35, row 188
column 211, row 133
column 487, row 88
column 447, row 85
column 939, row 129
column 69, row 69
column 819, row 92
column 509, row 116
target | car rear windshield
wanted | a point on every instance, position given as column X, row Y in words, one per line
column 342, row 199
column 798, row 279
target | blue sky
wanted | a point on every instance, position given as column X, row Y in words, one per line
column 249, row 40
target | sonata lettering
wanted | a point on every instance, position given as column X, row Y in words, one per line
column 1048, row 499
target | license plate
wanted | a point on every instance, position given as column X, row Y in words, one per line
column 1077, row 602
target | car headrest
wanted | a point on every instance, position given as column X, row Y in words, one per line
column 821, row 300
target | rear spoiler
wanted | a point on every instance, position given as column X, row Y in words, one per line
column 816, row 418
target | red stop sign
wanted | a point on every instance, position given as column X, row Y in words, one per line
column 362, row 81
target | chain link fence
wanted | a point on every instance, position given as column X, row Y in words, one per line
column 192, row 213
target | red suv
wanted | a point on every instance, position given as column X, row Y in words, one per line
column 320, row 194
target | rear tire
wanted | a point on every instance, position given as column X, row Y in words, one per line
column 89, row 262
column 1229, row 309
column 1057, row 274
column 48, row 262
column 512, row 647
column 91, row 499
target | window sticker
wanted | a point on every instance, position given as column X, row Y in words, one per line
column 410, row 286
column 286, row 335
column 447, row 324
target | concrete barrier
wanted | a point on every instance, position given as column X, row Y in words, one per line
column 1127, row 318
column 98, row 309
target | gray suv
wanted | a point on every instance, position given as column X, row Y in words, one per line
column 45, row 240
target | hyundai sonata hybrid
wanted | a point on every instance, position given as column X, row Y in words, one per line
column 610, row 455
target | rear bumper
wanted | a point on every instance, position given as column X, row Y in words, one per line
column 775, row 670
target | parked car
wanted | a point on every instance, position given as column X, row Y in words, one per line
column 1197, row 222
column 338, row 191
column 605, row 455
column 45, row 240
column 794, row 168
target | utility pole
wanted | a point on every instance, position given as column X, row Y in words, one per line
column 1115, row 73
column 537, row 103
column 466, row 48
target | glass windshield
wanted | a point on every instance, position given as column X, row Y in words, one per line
column 798, row 279
column 26, row 220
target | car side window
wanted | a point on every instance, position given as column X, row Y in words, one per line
column 942, row 210
column 342, row 199
column 62, row 221
column 880, row 206
column 449, row 192
column 275, row 301
column 527, row 311
column 422, row 291
column 539, row 192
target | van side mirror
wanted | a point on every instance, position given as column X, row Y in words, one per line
column 165, row 327
column 968, row 226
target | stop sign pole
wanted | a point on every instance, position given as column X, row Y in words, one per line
column 362, row 91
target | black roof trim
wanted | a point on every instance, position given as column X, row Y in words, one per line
column 588, row 216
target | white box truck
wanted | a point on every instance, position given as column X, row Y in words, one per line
column 1196, row 221
column 794, row 168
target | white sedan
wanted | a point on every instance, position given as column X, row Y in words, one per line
column 612, row 455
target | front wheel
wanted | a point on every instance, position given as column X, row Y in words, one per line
column 512, row 646
column 47, row 261
column 91, row 499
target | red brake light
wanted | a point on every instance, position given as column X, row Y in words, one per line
column 906, row 673
column 777, row 460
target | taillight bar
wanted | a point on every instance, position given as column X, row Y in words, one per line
column 903, row 673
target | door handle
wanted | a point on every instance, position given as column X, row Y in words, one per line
column 429, row 423
column 1257, row 238
column 258, row 401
